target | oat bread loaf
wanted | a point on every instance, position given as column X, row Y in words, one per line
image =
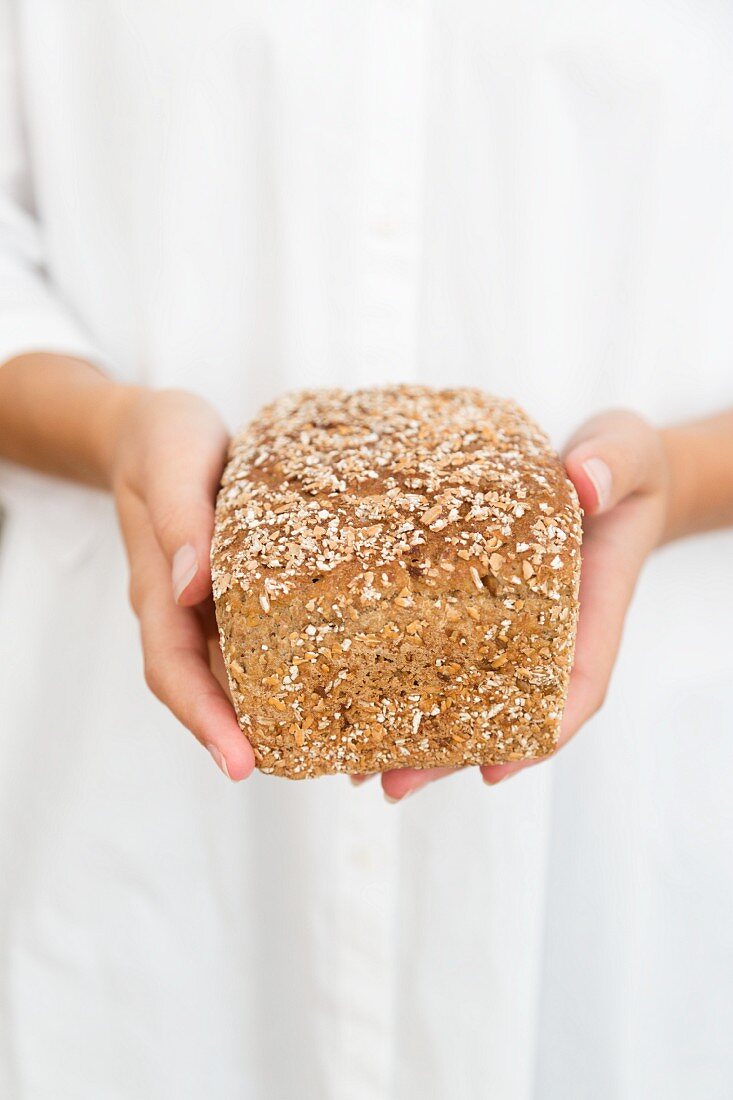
column 395, row 575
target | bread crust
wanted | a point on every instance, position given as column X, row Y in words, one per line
column 395, row 574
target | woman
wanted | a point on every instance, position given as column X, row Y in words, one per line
column 200, row 208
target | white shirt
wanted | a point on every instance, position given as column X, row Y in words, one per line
column 250, row 195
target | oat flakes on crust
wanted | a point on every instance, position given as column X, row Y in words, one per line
column 395, row 574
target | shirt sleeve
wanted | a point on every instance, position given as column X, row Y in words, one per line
column 33, row 315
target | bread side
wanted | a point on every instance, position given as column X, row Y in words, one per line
column 395, row 574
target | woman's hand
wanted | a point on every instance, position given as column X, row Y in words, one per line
column 163, row 454
column 167, row 458
column 618, row 464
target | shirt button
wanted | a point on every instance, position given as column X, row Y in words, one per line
column 385, row 228
column 367, row 857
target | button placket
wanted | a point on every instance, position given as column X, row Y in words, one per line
column 368, row 867
column 394, row 60
column 396, row 52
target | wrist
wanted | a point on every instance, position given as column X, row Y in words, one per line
column 61, row 415
column 680, row 484
column 115, row 406
column 700, row 459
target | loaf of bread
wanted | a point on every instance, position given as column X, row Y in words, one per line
column 396, row 576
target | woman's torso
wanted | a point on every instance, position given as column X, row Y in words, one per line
column 532, row 198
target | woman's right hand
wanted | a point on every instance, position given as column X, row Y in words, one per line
column 167, row 457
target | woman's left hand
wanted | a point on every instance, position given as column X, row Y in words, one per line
column 619, row 467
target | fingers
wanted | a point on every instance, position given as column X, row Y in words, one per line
column 613, row 555
column 614, row 550
column 358, row 778
column 605, row 592
column 617, row 465
column 495, row 773
column 400, row 782
column 175, row 650
column 184, row 461
column 611, row 457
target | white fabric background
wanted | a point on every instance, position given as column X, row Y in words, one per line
column 249, row 195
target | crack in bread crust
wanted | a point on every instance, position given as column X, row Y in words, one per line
column 395, row 574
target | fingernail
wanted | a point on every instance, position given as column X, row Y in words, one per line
column 502, row 778
column 391, row 799
column 600, row 476
column 184, row 569
column 499, row 779
column 218, row 759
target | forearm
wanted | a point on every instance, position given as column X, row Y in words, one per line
column 700, row 461
column 60, row 415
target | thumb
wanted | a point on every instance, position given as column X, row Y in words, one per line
column 610, row 457
column 187, row 460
